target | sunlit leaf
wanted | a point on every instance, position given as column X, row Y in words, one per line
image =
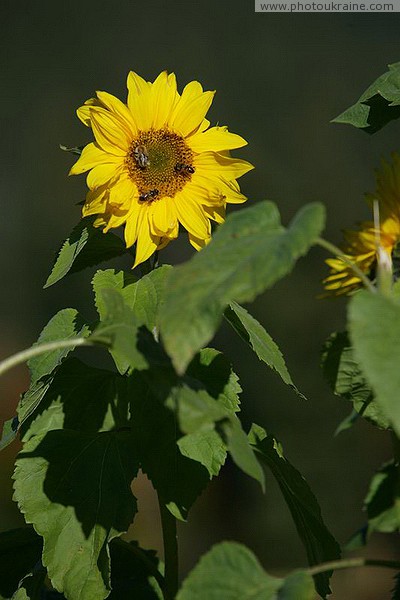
column 144, row 297
column 66, row 324
column 227, row 572
column 119, row 329
column 374, row 323
column 254, row 334
column 74, row 487
column 247, row 255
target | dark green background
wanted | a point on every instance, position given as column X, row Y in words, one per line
column 280, row 78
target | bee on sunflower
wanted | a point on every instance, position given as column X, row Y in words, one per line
column 155, row 162
column 372, row 241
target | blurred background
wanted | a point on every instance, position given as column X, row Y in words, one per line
column 280, row 79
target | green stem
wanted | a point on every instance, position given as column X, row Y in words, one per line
column 25, row 355
column 168, row 523
column 351, row 563
column 337, row 252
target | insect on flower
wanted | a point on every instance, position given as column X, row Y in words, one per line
column 149, row 195
column 141, row 156
column 156, row 164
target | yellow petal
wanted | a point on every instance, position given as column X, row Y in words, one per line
column 102, row 174
column 191, row 109
column 139, row 101
column 208, row 163
column 122, row 192
column 91, row 156
column 164, row 242
column 120, row 109
column 191, row 215
column 162, row 217
column 215, row 139
column 131, row 227
column 109, row 133
column 116, row 218
column 216, row 213
column 96, row 201
column 83, row 112
column 164, row 98
column 146, row 244
column 198, row 243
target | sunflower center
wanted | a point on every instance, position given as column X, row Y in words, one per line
column 160, row 163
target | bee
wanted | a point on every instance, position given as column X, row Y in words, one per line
column 182, row 168
column 141, row 156
column 149, row 195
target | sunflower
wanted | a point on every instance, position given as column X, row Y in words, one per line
column 361, row 246
column 156, row 162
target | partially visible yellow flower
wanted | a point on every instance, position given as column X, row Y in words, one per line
column 156, row 162
column 361, row 246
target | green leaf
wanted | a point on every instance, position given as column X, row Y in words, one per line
column 74, row 150
column 31, row 587
column 206, row 447
column 174, row 422
column 254, row 334
column 74, row 487
column 202, row 410
column 347, row 422
column 66, row 324
column 20, row 550
column 383, row 500
column 378, row 105
column 31, row 399
column 9, row 433
column 144, row 297
column 227, row 572
column 297, row 586
column 215, row 373
column 374, row 323
column 133, row 572
column 86, row 246
column 247, row 255
column 241, row 451
column 119, row 329
column 81, row 398
column 178, row 478
column 319, row 543
column 346, row 380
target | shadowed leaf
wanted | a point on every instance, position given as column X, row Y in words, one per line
column 378, row 105
column 86, row 246
column 319, row 543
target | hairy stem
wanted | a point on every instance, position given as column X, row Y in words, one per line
column 351, row 563
column 339, row 254
column 168, row 523
column 25, row 355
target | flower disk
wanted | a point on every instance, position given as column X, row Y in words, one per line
column 156, row 162
column 362, row 246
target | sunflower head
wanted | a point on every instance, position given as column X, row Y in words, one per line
column 155, row 163
column 370, row 244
